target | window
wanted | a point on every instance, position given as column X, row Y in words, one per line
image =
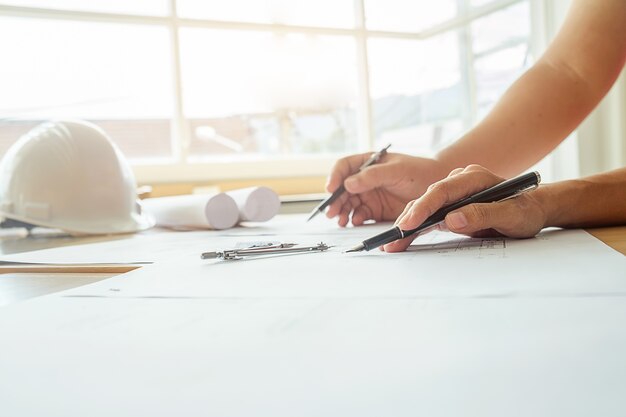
column 196, row 90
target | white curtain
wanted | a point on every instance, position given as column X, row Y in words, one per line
column 599, row 144
column 602, row 136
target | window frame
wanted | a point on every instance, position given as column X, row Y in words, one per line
column 284, row 166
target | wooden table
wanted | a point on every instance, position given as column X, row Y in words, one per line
column 615, row 237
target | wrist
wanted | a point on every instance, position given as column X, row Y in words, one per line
column 544, row 195
column 557, row 201
column 446, row 161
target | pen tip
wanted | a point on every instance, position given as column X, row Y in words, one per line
column 357, row 248
column 313, row 214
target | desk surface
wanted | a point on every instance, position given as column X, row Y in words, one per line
column 615, row 237
column 15, row 287
column 544, row 339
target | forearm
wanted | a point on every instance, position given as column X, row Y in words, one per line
column 553, row 97
column 599, row 200
column 530, row 120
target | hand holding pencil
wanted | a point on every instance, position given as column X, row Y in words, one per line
column 381, row 191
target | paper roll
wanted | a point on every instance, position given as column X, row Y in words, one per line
column 256, row 204
column 204, row 211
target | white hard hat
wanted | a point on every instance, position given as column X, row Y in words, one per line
column 69, row 175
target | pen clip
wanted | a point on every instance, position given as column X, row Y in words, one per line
column 520, row 191
column 375, row 157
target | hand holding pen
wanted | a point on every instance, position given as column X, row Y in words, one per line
column 463, row 201
column 375, row 157
column 381, row 191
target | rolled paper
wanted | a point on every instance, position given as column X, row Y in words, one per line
column 201, row 211
column 256, row 204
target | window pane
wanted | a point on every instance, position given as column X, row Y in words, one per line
column 149, row 7
column 501, row 43
column 115, row 75
column 495, row 72
column 508, row 26
column 326, row 13
column 255, row 94
column 478, row 3
column 407, row 15
column 416, row 92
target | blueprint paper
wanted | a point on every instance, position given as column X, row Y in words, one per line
column 555, row 263
column 314, row 357
column 455, row 326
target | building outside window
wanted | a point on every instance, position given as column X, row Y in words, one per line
column 202, row 89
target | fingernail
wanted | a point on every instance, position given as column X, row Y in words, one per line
column 456, row 220
column 350, row 182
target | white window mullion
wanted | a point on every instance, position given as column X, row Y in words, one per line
column 467, row 70
column 365, row 115
column 180, row 126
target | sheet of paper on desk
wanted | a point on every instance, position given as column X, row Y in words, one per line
column 557, row 262
column 454, row 327
column 131, row 251
column 165, row 245
column 325, row 356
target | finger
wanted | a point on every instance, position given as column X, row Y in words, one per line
column 371, row 177
column 407, row 208
column 474, row 168
column 402, row 244
column 361, row 214
column 488, row 233
column 349, row 206
column 510, row 217
column 477, row 217
column 444, row 192
column 334, row 208
column 399, row 245
column 455, row 172
column 343, row 168
column 354, row 201
column 344, row 214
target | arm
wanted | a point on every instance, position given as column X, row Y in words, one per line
column 533, row 117
column 598, row 200
column 549, row 101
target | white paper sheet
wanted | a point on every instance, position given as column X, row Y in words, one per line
column 157, row 245
column 453, row 327
column 438, row 264
column 314, row 357
column 556, row 263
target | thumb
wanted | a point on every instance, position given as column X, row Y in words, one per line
column 519, row 217
column 477, row 217
column 371, row 177
column 472, row 218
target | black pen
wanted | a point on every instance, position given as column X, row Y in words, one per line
column 375, row 157
column 503, row 191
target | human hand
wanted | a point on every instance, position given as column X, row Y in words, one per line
column 519, row 217
column 382, row 190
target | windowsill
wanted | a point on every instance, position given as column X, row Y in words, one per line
column 297, row 189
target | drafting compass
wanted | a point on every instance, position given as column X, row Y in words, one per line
column 264, row 249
